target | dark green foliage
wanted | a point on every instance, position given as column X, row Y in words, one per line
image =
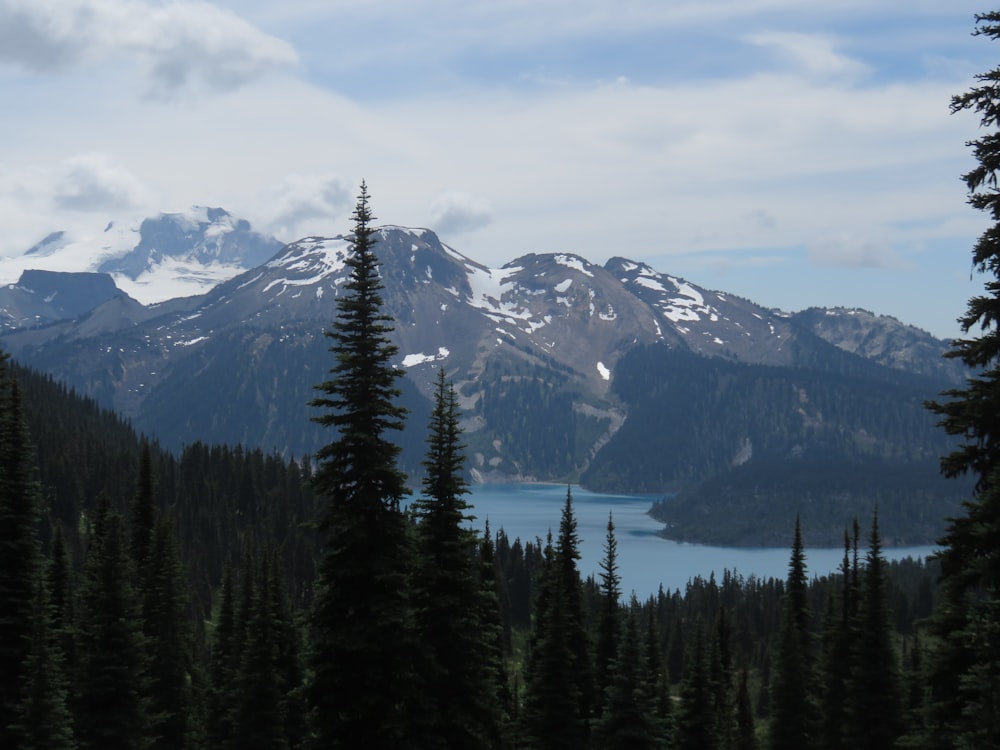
column 111, row 708
column 793, row 708
column 459, row 679
column 558, row 672
column 874, row 699
column 266, row 709
column 222, row 668
column 167, row 631
column 746, row 735
column 19, row 553
column 811, row 441
column 963, row 659
column 531, row 408
column 609, row 618
column 626, row 722
column 142, row 518
column 44, row 721
column 363, row 691
column 696, row 727
column 836, row 662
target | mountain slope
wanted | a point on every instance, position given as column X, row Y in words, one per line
column 542, row 353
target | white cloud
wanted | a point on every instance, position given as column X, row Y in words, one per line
column 93, row 182
column 813, row 53
column 308, row 204
column 457, row 213
column 855, row 251
column 179, row 43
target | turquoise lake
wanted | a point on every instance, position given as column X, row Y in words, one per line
column 645, row 560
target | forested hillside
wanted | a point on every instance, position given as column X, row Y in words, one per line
column 227, row 532
column 225, row 598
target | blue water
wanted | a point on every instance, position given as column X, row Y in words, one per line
column 645, row 560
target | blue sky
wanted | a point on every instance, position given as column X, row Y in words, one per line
column 793, row 154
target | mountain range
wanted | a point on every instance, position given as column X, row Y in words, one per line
column 615, row 375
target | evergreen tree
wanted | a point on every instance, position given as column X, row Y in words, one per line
column 142, row 517
column 964, row 622
column 363, row 691
column 111, row 709
column 551, row 715
column 62, row 607
column 609, row 618
column 721, row 678
column 696, row 726
column 460, row 678
column 874, row 702
column 838, row 634
column 223, row 665
column 625, row 723
column 18, row 546
column 45, row 721
column 793, row 709
column 746, row 734
column 20, row 558
column 491, row 620
column 261, row 697
column 167, row 631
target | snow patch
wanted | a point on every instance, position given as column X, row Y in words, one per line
column 562, row 286
column 571, row 261
column 412, row 360
column 604, row 372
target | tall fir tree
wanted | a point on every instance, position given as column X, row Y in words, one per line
column 696, row 726
column 609, row 617
column 45, row 721
column 746, row 732
column 20, row 558
column 111, row 708
column 264, row 687
column 142, row 514
column 222, row 668
column 459, row 679
column 835, row 668
column 793, row 722
column 167, row 633
column 363, row 691
column 874, row 706
column 626, row 722
column 964, row 624
column 550, row 718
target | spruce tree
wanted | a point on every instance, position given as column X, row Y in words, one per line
column 491, row 621
column 363, row 691
column 20, row 558
column 626, row 722
column 609, row 617
column 167, row 632
column 260, row 701
column 964, row 623
column 838, row 635
column 874, row 700
column 696, row 725
column 222, row 668
column 551, row 717
column 111, row 709
column 142, row 516
column 459, row 679
column 793, row 709
column 746, row 734
column 44, row 720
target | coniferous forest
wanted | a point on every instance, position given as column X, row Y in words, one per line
column 225, row 598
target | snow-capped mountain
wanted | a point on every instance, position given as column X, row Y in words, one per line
column 153, row 259
column 619, row 375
